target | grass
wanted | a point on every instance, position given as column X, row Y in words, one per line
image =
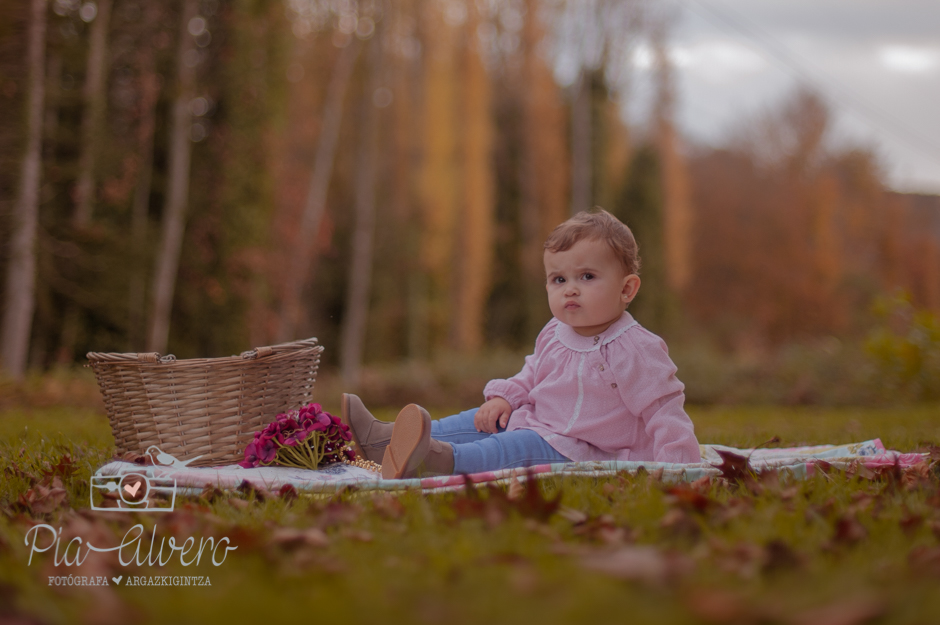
column 621, row 549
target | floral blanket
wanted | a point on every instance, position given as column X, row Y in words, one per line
column 798, row 461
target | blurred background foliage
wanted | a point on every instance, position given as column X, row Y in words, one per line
column 215, row 176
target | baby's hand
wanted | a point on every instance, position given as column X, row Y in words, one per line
column 496, row 410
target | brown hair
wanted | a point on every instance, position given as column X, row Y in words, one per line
column 597, row 224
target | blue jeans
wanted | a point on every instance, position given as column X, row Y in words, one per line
column 480, row 451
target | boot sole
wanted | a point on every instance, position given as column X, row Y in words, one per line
column 344, row 416
column 411, row 438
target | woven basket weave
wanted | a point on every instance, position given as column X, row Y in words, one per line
column 203, row 407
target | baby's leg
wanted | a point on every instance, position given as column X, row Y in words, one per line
column 506, row 450
column 458, row 428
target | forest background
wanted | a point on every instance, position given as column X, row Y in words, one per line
column 201, row 177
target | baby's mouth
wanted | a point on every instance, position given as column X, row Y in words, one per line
column 572, row 306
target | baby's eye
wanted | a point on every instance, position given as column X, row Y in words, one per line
column 588, row 276
column 558, row 280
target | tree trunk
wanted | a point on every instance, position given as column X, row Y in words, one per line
column 21, row 269
column 544, row 168
column 677, row 213
column 581, row 151
column 439, row 178
column 94, row 97
column 137, row 294
column 476, row 233
column 360, row 269
column 316, row 195
column 174, row 210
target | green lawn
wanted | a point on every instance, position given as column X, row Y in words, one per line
column 833, row 549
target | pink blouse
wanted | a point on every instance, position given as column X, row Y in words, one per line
column 613, row 396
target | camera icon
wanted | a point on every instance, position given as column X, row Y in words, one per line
column 133, row 491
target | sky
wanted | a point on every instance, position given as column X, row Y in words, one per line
column 876, row 62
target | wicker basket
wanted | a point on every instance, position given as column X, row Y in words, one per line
column 204, row 407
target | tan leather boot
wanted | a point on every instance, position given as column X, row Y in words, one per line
column 369, row 435
column 439, row 461
column 411, row 438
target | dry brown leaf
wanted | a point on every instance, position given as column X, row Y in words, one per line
column 925, row 560
column 238, row 504
column 718, row 606
column 911, row 522
column 734, row 467
column 680, row 522
column 576, row 517
column 211, row 493
column 609, row 489
column 779, row 556
column 847, row 530
column 687, row 497
column 65, row 468
column 290, row 538
column 287, row 492
column 644, row 564
column 45, row 497
column 388, row 506
column 361, row 536
column 846, row 611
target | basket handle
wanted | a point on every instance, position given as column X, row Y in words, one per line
column 258, row 352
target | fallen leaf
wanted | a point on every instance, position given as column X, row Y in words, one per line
column 532, row 504
column 287, row 492
column 718, row 606
column 253, row 492
column 848, row 530
column 734, row 467
column 65, row 468
column 388, row 506
column 846, row 611
column 743, row 559
column 361, row 536
column 733, row 508
column 523, row 579
column 690, row 498
column 211, row 493
column 644, row 564
column 43, row 498
column 609, row 489
column 574, row 516
column 779, row 556
column 911, row 522
column 925, row 560
column 679, row 522
column 238, row 504
column 291, row 538
column 14, row 470
column 339, row 512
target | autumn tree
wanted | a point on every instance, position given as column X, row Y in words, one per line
column 21, row 268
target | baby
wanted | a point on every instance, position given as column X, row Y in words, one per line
column 598, row 387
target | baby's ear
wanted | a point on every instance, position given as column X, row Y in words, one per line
column 631, row 285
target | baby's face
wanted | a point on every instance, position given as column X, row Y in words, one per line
column 587, row 286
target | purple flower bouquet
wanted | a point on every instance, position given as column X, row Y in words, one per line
column 307, row 438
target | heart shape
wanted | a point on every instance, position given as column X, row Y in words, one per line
column 117, row 580
column 132, row 489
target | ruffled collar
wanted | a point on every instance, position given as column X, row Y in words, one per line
column 574, row 341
